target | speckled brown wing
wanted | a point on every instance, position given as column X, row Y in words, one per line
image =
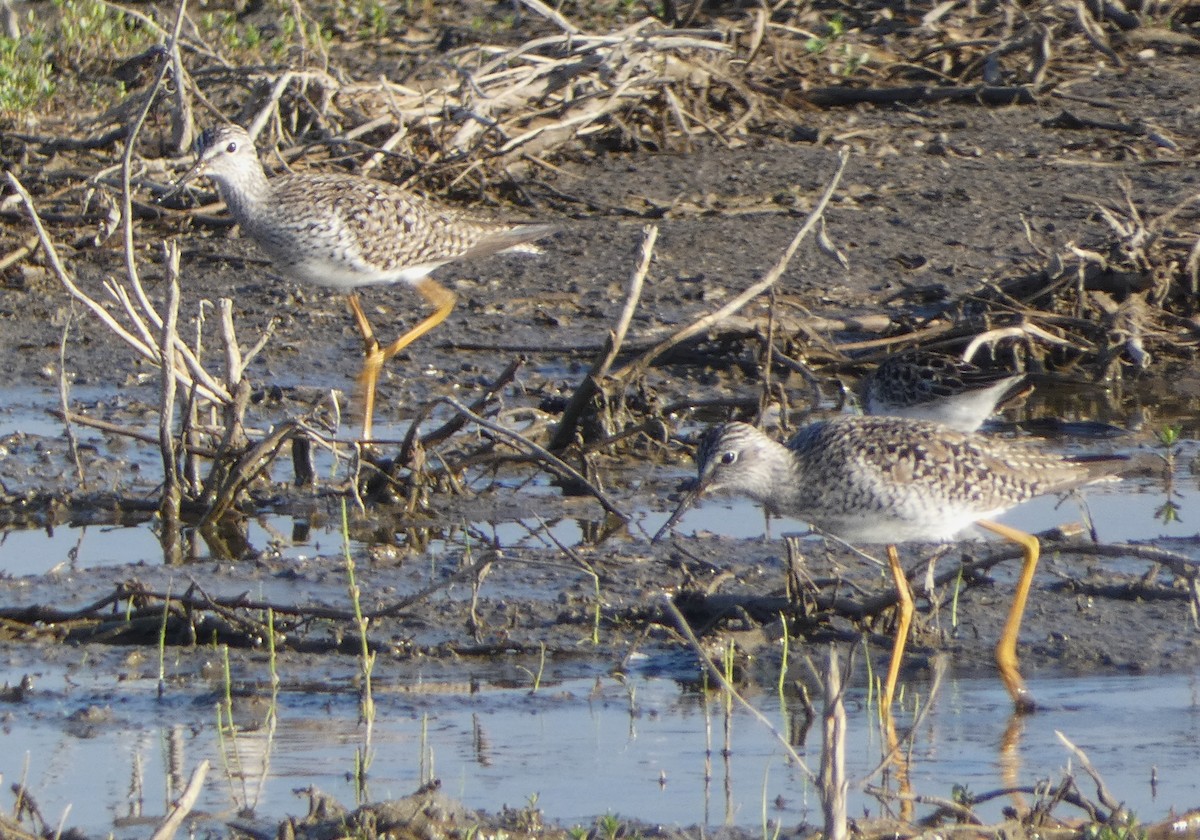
column 375, row 227
column 920, row 473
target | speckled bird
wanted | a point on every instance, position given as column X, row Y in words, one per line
column 923, row 385
column 891, row 480
column 345, row 231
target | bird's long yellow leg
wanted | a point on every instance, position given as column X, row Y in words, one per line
column 372, row 363
column 442, row 300
column 904, row 606
column 1006, row 648
column 360, row 320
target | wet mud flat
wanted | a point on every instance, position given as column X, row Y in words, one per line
column 457, row 612
column 953, row 217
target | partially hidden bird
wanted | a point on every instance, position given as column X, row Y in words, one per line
column 926, row 385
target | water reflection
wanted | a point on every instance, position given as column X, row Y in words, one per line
column 71, row 548
column 1158, row 502
column 1123, row 511
column 648, row 748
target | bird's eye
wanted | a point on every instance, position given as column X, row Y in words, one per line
column 729, row 457
column 232, row 147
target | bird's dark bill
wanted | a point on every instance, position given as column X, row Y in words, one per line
column 688, row 500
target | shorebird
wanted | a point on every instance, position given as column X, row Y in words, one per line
column 345, row 231
column 931, row 386
column 891, row 480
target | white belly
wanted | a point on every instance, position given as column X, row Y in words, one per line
column 946, row 527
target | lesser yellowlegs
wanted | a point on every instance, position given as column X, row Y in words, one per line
column 345, row 231
column 932, row 386
column 891, row 480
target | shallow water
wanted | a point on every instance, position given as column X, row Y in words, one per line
column 640, row 747
column 61, row 549
column 1124, row 511
column 1084, row 420
column 649, row 747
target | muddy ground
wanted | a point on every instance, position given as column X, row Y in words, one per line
column 937, row 199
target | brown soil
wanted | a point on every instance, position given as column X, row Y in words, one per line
column 938, row 199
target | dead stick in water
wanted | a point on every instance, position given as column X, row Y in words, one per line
column 183, row 806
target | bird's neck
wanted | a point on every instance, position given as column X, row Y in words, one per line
column 247, row 197
column 780, row 479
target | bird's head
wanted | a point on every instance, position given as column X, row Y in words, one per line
column 224, row 153
column 734, row 458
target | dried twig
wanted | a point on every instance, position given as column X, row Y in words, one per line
column 20, row 252
column 64, row 399
column 142, row 343
column 1102, row 792
column 564, row 433
column 455, row 423
column 635, row 368
column 183, row 806
column 550, row 460
column 171, row 492
column 832, row 782
column 557, row 18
